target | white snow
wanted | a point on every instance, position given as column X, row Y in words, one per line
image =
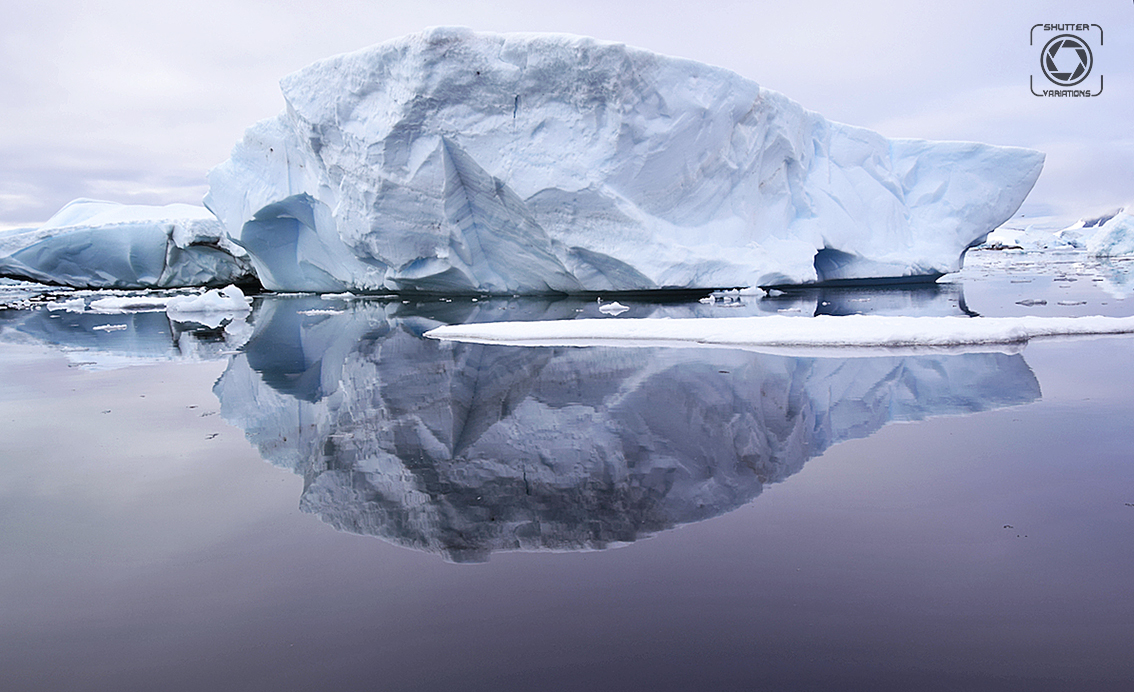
column 229, row 299
column 96, row 244
column 460, row 162
column 73, row 305
column 210, row 308
column 129, row 303
column 849, row 335
column 613, row 309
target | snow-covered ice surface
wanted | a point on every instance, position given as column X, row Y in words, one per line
column 844, row 336
column 95, row 244
column 229, row 299
column 454, row 162
column 459, row 162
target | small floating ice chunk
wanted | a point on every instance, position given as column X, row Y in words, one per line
column 313, row 312
column 227, row 299
column 211, row 309
column 109, row 327
column 130, row 303
column 613, row 309
column 73, row 305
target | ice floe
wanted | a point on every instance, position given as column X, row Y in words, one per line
column 844, row 336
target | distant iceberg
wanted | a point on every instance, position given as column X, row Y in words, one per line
column 1114, row 237
column 96, row 244
column 460, row 162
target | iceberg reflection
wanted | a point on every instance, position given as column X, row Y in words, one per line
column 463, row 449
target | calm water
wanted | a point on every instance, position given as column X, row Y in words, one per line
column 318, row 498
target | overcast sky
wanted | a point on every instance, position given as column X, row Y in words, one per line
column 134, row 100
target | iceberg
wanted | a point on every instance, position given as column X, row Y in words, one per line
column 1114, row 237
column 97, row 244
column 454, row 162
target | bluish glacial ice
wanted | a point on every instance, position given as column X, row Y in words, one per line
column 96, row 244
column 1113, row 238
column 454, row 161
column 457, row 162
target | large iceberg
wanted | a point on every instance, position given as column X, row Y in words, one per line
column 459, row 162
column 96, row 244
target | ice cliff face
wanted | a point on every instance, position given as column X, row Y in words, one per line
column 94, row 244
column 463, row 449
column 453, row 161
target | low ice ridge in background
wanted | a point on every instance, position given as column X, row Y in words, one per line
column 95, row 244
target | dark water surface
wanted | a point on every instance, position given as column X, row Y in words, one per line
column 440, row 516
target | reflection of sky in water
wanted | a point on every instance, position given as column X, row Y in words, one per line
column 464, row 450
column 140, row 551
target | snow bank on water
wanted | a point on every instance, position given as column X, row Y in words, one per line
column 846, row 335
